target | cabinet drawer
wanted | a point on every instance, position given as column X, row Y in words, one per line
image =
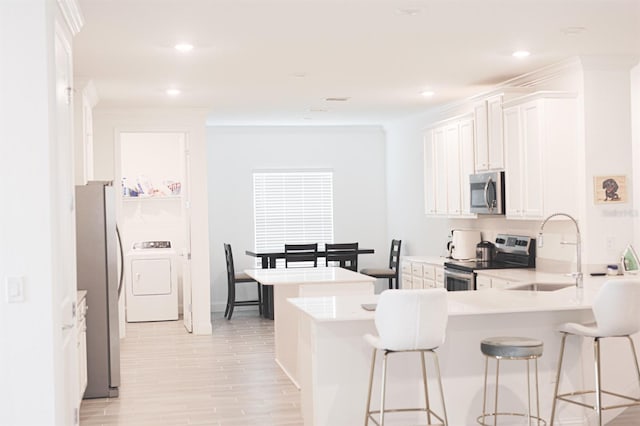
column 406, row 267
column 483, row 283
column 429, row 272
column 440, row 275
column 416, row 269
column 407, row 281
column 429, row 284
column 500, row 283
column 418, row 283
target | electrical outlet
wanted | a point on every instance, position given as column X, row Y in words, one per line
column 610, row 242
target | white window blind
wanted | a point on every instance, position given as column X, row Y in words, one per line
column 293, row 208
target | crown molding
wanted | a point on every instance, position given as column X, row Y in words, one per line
column 72, row 15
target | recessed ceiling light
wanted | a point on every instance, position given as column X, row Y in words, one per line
column 409, row 12
column 184, row 47
column 573, row 31
column 173, row 92
column 337, row 99
column 427, row 93
column 520, row 54
column 300, row 74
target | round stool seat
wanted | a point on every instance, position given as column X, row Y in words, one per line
column 511, row 347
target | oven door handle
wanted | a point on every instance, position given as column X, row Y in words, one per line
column 459, row 275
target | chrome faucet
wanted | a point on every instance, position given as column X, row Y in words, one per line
column 578, row 275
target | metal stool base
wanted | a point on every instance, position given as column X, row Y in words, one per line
column 536, row 420
column 406, row 410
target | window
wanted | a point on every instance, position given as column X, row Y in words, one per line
column 292, row 207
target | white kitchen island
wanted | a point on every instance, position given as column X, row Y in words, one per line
column 334, row 359
column 303, row 282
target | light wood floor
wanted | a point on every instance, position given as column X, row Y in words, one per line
column 170, row 377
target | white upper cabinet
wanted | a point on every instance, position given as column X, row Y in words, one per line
column 489, row 145
column 466, row 127
column 452, row 170
column 449, row 160
column 429, row 173
column 540, row 135
column 440, row 156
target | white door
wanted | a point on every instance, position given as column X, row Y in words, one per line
column 187, row 305
column 62, row 187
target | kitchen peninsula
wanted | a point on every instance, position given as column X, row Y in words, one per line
column 334, row 359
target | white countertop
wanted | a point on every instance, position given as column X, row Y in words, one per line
column 320, row 275
column 483, row 302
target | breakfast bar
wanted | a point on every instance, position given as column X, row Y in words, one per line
column 334, row 359
column 303, row 282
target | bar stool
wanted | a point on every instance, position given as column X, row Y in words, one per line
column 615, row 308
column 511, row 348
column 408, row 321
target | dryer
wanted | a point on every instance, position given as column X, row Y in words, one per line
column 152, row 282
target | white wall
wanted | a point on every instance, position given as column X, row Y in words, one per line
column 355, row 154
column 607, row 117
column 635, row 143
column 31, row 364
column 108, row 123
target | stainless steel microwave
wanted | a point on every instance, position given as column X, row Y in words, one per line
column 487, row 193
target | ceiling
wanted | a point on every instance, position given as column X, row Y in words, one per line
column 275, row 62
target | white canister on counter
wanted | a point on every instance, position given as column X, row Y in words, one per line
column 612, row 269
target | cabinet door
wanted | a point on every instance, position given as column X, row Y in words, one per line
column 452, row 141
column 440, row 156
column 481, row 137
column 495, row 141
column 513, row 168
column 407, row 281
column 439, row 276
column 531, row 160
column 429, row 173
column 466, row 165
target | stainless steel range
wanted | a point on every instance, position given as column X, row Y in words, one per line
column 512, row 251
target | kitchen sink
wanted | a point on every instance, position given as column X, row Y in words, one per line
column 541, row 287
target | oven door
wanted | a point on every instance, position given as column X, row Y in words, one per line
column 456, row 280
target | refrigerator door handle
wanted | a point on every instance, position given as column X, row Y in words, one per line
column 121, row 252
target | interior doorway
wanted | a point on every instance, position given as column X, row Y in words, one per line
column 154, row 207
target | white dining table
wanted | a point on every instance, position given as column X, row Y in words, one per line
column 303, row 282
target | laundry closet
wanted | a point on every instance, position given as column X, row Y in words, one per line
column 153, row 220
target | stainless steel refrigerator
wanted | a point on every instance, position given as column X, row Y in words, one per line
column 98, row 252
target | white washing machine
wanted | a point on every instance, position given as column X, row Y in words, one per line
column 152, row 282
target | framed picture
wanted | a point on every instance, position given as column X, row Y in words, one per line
column 609, row 189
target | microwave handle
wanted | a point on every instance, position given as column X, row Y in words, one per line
column 486, row 194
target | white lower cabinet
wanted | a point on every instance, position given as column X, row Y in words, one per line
column 484, row 282
column 81, row 318
column 421, row 273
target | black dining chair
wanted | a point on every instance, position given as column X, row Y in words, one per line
column 233, row 278
column 392, row 271
column 344, row 255
column 301, row 253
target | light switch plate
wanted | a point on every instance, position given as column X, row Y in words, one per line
column 15, row 289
